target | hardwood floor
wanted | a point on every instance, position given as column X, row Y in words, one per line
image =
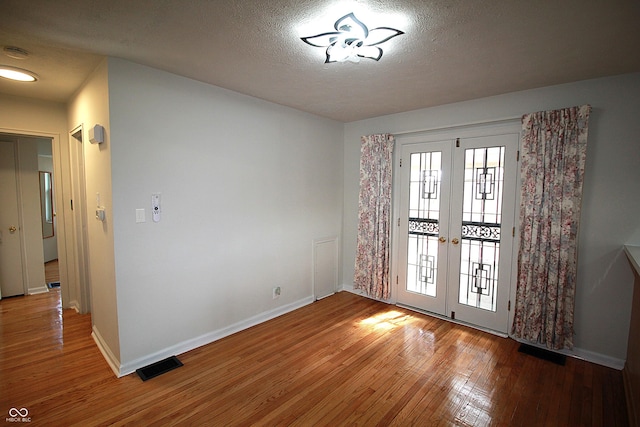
column 344, row 360
column 51, row 271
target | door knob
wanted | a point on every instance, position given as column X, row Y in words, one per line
column 455, row 241
column 442, row 239
column 12, row 229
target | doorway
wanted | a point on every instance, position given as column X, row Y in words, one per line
column 456, row 227
column 79, row 261
column 27, row 213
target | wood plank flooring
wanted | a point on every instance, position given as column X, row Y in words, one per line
column 51, row 271
column 344, row 360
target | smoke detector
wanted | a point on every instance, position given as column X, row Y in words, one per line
column 15, row 52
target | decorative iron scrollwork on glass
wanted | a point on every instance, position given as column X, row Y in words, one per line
column 485, row 182
column 430, row 180
column 481, row 231
column 481, row 279
column 424, row 226
column 427, row 263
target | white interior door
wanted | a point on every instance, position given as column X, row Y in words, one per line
column 11, row 278
column 457, row 207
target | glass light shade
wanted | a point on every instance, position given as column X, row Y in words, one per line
column 17, row 74
column 352, row 40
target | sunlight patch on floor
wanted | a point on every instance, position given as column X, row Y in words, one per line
column 387, row 320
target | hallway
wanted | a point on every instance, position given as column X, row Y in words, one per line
column 51, row 271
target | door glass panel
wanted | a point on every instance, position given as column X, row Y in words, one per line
column 424, row 218
column 481, row 218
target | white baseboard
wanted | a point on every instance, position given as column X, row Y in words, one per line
column 108, row 355
column 586, row 355
column 597, row 358
column 38, row 290
column 360, row 292
column 183, row 347
column 75, row 305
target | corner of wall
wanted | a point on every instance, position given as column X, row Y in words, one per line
column 108, row 355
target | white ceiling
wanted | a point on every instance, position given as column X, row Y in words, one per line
column 453, row 50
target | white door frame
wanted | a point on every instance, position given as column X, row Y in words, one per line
column 58, row 194
column 497, row 127
column 82, row 303
column 65, row 229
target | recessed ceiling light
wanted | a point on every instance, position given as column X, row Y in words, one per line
column 17, row 74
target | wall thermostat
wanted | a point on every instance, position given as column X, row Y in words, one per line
column 96, row 134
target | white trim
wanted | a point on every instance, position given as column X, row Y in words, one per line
column 80, row 236
column 509, row 121
column 582, row 354
column 38, row 290
column 597, row 358
column 361, row 293
column 108, row 355
column 74, row 305
column 336, row 260
column 190, row 344
column 457, row 322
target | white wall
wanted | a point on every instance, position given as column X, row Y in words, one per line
column 611, row 199
column 90, row 106
column 246, row 186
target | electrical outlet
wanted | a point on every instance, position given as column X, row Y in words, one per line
column 276, row 292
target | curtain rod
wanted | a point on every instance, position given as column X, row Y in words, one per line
column 505, row 120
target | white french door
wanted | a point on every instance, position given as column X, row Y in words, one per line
column 456, row 223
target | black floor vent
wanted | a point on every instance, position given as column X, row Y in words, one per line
column 541, row 353
column 158, row 368
column 52, row 285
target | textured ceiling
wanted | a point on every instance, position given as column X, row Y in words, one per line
column 453, row 50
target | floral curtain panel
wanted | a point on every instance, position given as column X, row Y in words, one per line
column 553, row 154
column 374, row 216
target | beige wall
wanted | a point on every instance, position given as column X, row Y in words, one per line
column 90, row 106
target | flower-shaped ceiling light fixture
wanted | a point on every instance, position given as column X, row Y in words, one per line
column 352, row 40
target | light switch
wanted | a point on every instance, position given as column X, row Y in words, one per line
column 140, row 215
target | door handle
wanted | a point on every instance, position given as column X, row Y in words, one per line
column 455, row 241
column 442, row 240
column 12, row 229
